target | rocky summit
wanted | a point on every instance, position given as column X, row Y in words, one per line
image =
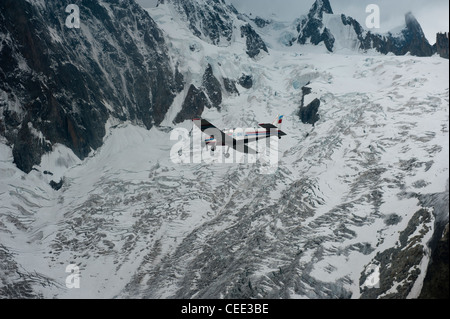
column 322, row 26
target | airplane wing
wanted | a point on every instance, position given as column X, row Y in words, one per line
column 271, row 126
column 268, row 126
column 245, row 148
column 222, row 138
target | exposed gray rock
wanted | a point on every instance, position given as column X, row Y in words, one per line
column 15, row 283
column 260, row 22
column 212, row 87
column 309, row 114
column 230, row 86
column 392, row 219
column 210, row 20
column 193, row 106
column 57, row 185
column 246, row 81
column 411, row 39
column 436, row 282
column 400, row 264
column 319, row 8
column 438, row 270
column 67, row 82
column 312, row 28
column 442, row 45
column 254, row 42
column 179, row 81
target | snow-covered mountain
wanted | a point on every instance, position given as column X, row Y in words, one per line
column 60, row 85
column 338, row 32
column 442, row 45
column 216, row 22
column 210, row 20
column 349, row 211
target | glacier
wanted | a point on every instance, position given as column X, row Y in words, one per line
column 349, row 194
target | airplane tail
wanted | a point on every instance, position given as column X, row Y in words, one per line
column 278, row 121
column 275, row 125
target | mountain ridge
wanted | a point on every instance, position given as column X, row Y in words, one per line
column 314, row 29
column 80, row 126
column 61, row 85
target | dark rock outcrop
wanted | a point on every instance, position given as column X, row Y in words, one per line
column 260, row 22
column 212, row 87
column 309, row 114
column 61, row 84
column 213, row 22
column 436, row 282
column 442, row 45
column 210, row 20
column 57, row 185
column 319, row 8
column 410, row 39
column 246, row 81
column 28, row 149
column 230, row 86
column 193, row 105
column 312, row 28
column 197, row 99
column 253, row 41
column 179, row 81
column 400, row 264
column 415, row 41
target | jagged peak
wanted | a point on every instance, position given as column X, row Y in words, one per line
column 413, row 25
column 210, row 20
column 194, row 1
column 409, row 17
column 319, row 8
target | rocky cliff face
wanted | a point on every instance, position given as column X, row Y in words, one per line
column 253, row 41
column 210, row 20
column 207, row 96
column 215, row 21
column 316, row 28
column 442, row 44
column 309, row 113
column 312, row 28
column 193, row 105
column 60, row 85
column 410, row 39
column 436, row 285
column 212, row 87
column 414, row 40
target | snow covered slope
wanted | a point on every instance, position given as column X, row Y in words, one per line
column 337, row 32
column 358, row 192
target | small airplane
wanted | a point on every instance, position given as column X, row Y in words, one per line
column 238, row 139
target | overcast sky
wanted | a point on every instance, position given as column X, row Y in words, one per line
column 433, row 15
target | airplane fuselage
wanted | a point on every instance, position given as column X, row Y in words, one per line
column 239, row 138
column 245, row 135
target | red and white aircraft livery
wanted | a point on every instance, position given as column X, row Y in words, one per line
column 239, row 138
